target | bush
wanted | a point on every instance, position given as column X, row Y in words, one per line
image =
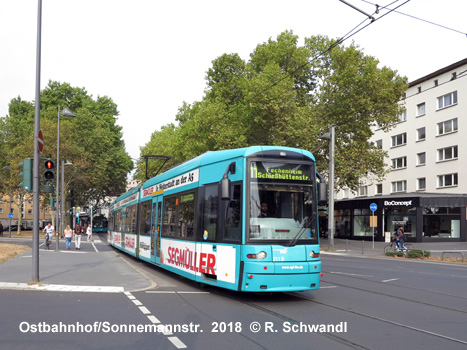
column 394, row 253
column 417, row 254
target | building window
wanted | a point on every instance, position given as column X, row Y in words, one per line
column 399, row 163
column 29, row 211
column 402, row 116
column 421, row 109
column 399, row 140
column 436, row 82
column 447, row 127
column 1, row 210
column 421, row 158
column 421, row 184
column 447, row 100
column 379, row 188
column 399, row 186
column 448, row 153
column 379, row 144
column 363, row 191
column 345, row 193
column 447, row 180
column 421, row 134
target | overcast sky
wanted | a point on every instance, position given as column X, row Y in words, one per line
column 149, row 55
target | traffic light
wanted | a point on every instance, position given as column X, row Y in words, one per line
column 49, row 170
column 26, row 174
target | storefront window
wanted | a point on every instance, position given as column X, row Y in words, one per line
column 402, row 216
column 342, row 219
column 441, row 222
column 361, row 223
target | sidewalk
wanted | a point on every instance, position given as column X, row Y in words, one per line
column 376, row 249
column 71, row 270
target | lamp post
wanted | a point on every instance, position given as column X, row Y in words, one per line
column 62, row 195
column 331, row 137
column 67, row 113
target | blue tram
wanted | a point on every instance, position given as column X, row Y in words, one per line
column 243, row 219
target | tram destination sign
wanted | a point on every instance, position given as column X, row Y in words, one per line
column 280, row 172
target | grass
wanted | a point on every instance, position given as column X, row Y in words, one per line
column 9, row 251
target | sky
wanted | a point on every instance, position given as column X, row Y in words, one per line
column 150, row 56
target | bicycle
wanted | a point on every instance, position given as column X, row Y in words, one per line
column 48, row 241
column 394, row 247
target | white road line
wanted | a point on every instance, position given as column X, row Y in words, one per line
column 144, row 310
column 173, row 292
column 392, row 279
column 179, row 344
column 137, row 302
column 153, row 319
column 61, row 287
column 349, row 274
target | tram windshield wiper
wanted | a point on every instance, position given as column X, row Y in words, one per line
column 309, row 221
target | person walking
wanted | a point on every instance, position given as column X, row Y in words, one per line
column 78, row 230
column 68, row 236
column 89, row 233
column 49, row 233
column 1, row 229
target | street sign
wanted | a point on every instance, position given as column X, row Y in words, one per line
column 373, row 207
column 10, row 216
column 40, row 141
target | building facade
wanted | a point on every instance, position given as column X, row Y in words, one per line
column 425, row 191
column 25, row 212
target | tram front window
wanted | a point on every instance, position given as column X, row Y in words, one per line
column 281, row 212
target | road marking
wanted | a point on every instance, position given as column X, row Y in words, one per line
column 320, row 287
column 350, row 274
column 144, row 310
column 137, row 302
column 60, row 287
column 173, row 292
column 392, row 279
column 174, row 340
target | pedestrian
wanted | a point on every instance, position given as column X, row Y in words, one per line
column 89, row 233
column 68, row 236
column 400, row 237
column 1, row 229
column 49, row 233
column 78, row 230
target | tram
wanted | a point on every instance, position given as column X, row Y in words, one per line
column 243, row 219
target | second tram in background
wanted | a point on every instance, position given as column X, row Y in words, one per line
column 243, row 219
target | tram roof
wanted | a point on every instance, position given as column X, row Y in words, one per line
column 211, row 157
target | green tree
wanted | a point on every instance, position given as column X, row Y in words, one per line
column 289, row 95
column 92, row 141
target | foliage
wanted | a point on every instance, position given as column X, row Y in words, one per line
column 92, row 142
column 417, row 254
column 289, row 95
column 400, row 254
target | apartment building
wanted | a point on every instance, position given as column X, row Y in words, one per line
column 426, row 189
column 26, row 213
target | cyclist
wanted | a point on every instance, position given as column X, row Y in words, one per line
column 49, row 232
column 400, row 238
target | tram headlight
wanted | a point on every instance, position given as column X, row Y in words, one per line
column 313, row 254
column 260, row 255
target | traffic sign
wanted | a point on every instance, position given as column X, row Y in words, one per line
column 40, row 141
column 373, row 207
column 10, row 216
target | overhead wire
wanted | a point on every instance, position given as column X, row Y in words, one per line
column 347, row 36
column 419, row 19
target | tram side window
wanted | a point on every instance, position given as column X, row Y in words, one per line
column 211, row 200
column 233, row 215
column 179, row 215
column 130, row 219
column 145, row 219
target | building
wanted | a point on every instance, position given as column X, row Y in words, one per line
column 426, row 190
column 25, row 212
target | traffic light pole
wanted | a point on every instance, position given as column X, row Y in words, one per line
column 57, row 187
column 36, row 185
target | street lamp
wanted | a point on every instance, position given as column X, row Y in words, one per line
column 67, row 113
column 62, row 195
column 331, row 137
column 9, row 200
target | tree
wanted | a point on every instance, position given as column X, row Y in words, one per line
column 92, row 141
column 289, row 95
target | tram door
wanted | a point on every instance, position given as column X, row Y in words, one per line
column 156, row 229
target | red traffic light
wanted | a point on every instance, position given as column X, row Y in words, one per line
column 49, row 165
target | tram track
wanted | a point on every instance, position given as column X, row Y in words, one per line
column 334, row 337
column 398, row 297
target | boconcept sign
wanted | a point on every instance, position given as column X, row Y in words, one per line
column 398, row 203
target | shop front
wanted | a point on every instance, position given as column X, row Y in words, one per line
column 424, row 218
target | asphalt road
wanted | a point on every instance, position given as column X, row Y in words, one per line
column 363, row 303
